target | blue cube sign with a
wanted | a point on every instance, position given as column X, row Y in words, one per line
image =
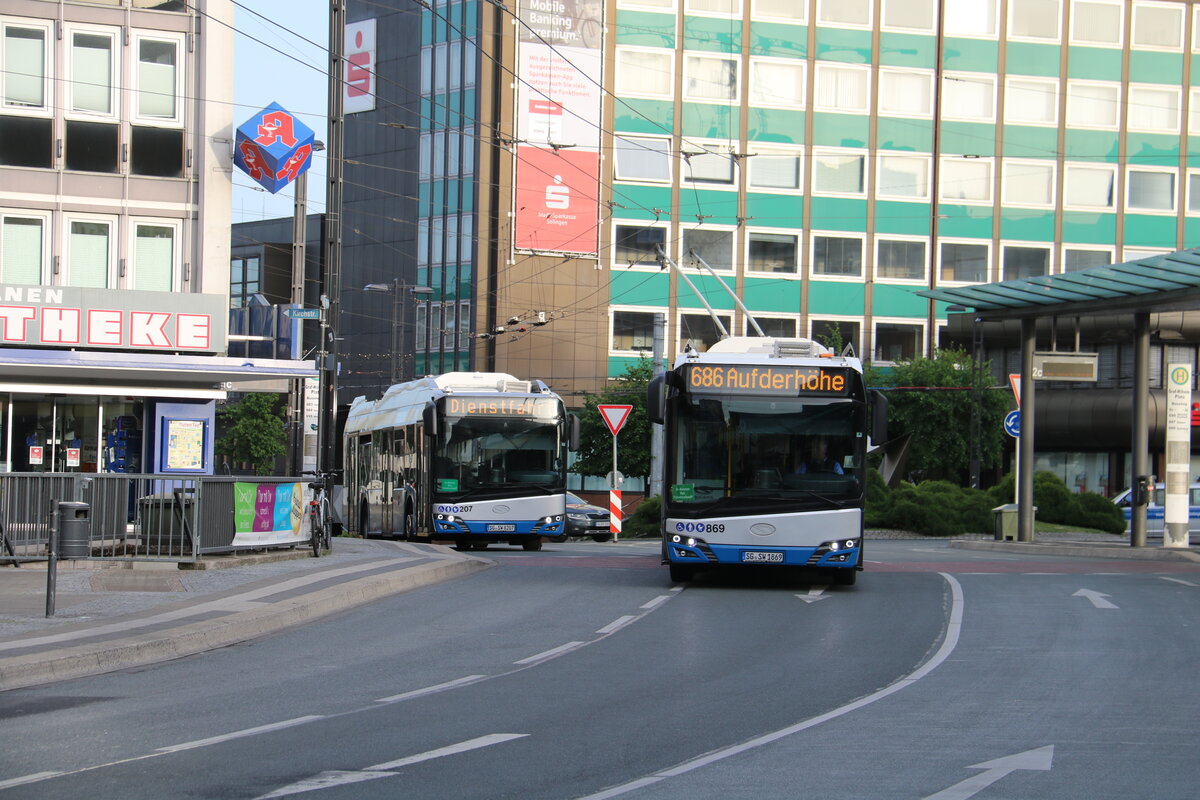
column 273, row 148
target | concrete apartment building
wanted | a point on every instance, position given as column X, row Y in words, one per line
column 826, row 158
column 116, row 137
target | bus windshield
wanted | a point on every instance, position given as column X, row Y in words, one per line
column 484, row 453
column 762, row 447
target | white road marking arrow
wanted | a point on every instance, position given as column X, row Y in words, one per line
column 1096, row 597
column 386, row 769
column 814, row 594
column 996, row 769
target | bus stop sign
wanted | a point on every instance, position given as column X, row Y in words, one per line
column 614, row 417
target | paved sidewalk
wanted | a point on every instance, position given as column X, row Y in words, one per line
column 115, row 615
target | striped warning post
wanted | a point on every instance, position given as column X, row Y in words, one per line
column 614, row 513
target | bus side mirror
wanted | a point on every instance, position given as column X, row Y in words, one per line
column 572, row 432
column 429, row 420
column 655, row 399
column 879, row 416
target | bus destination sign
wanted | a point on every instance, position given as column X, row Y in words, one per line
column 777, row 380
column 495, row 406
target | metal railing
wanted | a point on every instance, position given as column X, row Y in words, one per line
column 131, row 517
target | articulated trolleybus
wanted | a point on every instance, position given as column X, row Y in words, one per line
column 472, row 458
column 765, row 456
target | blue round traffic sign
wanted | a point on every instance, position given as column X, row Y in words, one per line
column 1012, row 423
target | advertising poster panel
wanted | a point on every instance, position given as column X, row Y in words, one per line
column 268, row 513
column 559, row 102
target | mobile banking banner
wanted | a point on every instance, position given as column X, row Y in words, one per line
column 267, row 513
column 559, row 70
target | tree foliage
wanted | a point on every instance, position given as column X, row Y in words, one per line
column 253, row 431
column 633, row 443
column 933, row 399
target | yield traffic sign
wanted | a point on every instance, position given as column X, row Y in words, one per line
column 614, row 417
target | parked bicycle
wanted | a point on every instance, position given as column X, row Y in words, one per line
column 318, row 519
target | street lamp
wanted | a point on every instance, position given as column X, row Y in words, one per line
column 976, row 396
column 400, row 293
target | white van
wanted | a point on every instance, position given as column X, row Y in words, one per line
column 1155, row 510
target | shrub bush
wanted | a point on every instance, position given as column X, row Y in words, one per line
column 646, row 521
column 934, row 508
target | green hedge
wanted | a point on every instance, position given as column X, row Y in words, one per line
column 940, row 508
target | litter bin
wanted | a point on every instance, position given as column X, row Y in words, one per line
column 74, row 529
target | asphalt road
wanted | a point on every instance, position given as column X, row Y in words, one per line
column 580, row 671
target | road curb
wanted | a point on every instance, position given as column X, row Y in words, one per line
column 1082, row 549
column 141, row 649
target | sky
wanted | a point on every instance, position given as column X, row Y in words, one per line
column 295, row 78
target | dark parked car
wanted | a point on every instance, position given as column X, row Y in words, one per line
column 585, row 519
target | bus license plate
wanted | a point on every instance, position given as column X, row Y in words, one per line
column 759, row 557
column 498, row 528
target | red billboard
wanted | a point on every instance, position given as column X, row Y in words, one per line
column 556, row 200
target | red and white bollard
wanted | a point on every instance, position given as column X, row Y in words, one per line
column 614, row 513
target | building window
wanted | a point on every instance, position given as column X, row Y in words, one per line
column 157, row 80
column 464, row 325
column 154, row 257
column 715, row 6
column 92, row 86
column 89, row 253
column 1094, row 22
column 422, row 326
column 642, row 159
column 905, row 94
column 1093, row 105
column 1150, row 190
column 700, row 165
column 1028, row 183
column 774, row 170
column 971, row 18
column 964, row 263
column 844, row 89
column 1034, row 19
column 1076, row 258
column 633, row 330
column 1029, row 101
column 25, row 59
column 897, row 342
column 780, row 9
column 835, row 173
column 910, row 15
column 715, row 246
column 1025, row 262
column 966, row 180
column 969, row 96
column 708, row 79
column 840, row 256
column 245, row 280
column 777, row 83
column 903, row 177
column 700, row 331
column 845, row 12
column 638, row 245
column 771, row 252
column 1194, row 106
column 23, row 249
column 1193, row 192
column 835, row 334
column 900, row 259
column 645, row 72
column 775, row 327
column 1154, row 109
column 1158, row 25
column 1091, row 186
